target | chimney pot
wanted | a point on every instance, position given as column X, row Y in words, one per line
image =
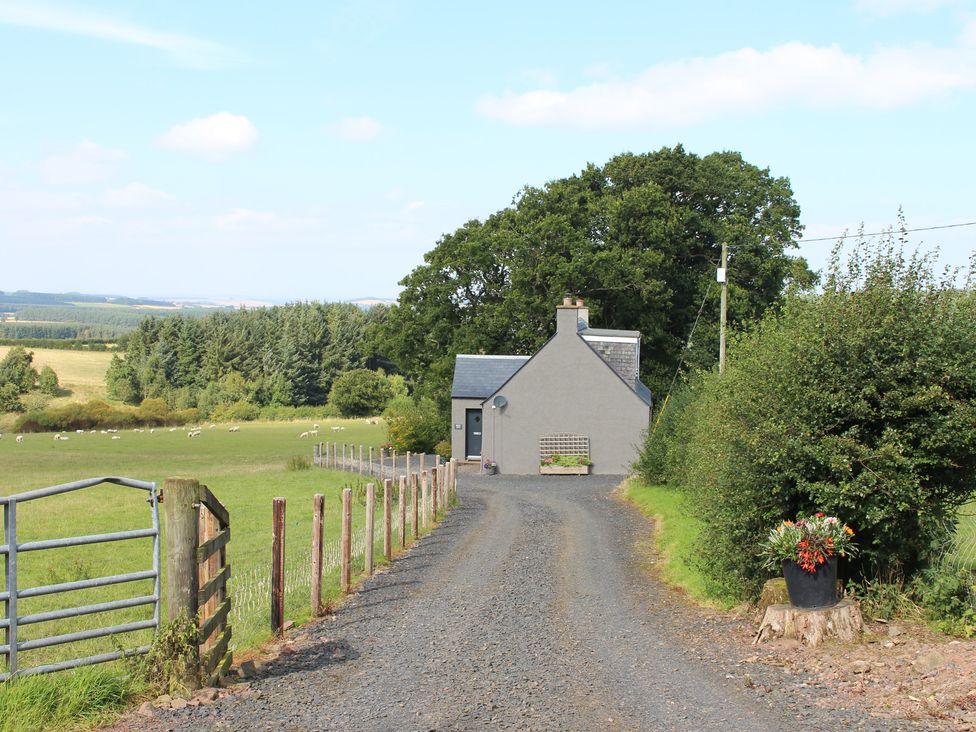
column 579, row 302
column 568, row 301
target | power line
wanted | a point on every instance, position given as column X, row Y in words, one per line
column 889, row 231
column 681, row 359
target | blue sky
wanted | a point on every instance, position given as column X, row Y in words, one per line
column 317, row 150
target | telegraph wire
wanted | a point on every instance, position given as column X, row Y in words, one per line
column 888, row 231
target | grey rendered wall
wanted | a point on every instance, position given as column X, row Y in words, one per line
column 565, row 388
column 458, row 407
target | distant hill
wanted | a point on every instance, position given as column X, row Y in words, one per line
column 26, row 297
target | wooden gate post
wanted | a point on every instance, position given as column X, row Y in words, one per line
column 345, row 545
column 387, row 519
column 181, row 508
column 424, row 500
column 370, row 527
column 402, row 508
column 277, row 565
column 318, row 518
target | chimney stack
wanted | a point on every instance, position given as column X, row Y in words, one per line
column 569, row 315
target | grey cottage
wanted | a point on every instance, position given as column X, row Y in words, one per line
column 580, row 394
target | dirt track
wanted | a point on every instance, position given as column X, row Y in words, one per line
column 525, row 609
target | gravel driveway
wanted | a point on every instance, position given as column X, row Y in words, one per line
column 525, row 609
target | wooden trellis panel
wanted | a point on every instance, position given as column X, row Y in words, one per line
column 564, row 443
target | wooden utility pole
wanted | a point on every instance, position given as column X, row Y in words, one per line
column 723, row 279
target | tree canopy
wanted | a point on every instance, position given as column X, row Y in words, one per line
column 639, row 238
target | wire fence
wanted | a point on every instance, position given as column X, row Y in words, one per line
column 251, row 607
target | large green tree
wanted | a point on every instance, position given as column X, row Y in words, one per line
column 639, row 238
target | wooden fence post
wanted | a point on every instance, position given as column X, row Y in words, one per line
column 434, row 490
column 277, row 564
column 387, row 519
column 181, row 506
column 408, row 466
column 370, row 527
column 454, row 465
column 414, row 518
column 369, row 470
column 318, row 518
column 402, row 510
column 345, row 545
column 423, row 497
column 361, row 466
column 343, row 455
column 393, row 473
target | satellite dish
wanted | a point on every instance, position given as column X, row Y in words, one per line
column 499, row 401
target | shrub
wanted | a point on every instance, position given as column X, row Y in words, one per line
column 242, row 411
column 34, row 401
column 443, row 448
column 856, row 402
column 48, row 381
column 413, row 425
column 360, row 392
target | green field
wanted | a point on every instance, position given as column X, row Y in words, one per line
column 245, row 470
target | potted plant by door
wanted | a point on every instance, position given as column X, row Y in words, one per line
column 491, row 467
column 807, row 550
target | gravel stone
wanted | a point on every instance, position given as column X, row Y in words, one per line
column 526, row 609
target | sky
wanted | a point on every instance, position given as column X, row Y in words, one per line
column 316, row 150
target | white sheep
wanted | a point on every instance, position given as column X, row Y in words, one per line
column 313, row 432
column 303, row 435
column 235, row 428
column 79, row 432
column 336, row 428
column 116, row 437
column 152, row 430
column 213, row 426
column 172, row 429
column 20, row 438
column 315, row 426
column 57, row 436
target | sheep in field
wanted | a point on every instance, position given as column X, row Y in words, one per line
column 303, row 435
column 20, row 438
column 235, row 428
column 116, row 437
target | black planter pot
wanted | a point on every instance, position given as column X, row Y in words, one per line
column 811, row 590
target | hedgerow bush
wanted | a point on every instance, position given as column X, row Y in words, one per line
column 414, row 425
column 857, row 401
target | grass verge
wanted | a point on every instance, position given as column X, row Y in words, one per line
column 71, row 700
column 675, row 533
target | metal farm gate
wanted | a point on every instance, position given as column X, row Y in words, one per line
column 11, row 620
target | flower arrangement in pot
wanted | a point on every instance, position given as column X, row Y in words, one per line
column 807, row 550
column 490, row 466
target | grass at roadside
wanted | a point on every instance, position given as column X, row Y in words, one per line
column 71, row 700
column 676, row 531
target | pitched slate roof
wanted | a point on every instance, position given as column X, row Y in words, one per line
column 478, row 377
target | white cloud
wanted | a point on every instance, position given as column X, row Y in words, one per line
column 215, row 137
column 134, row 195
column 242, row 218
column 357, row 129
column 744, row 82
column 184, row 49
column 87, row 162
column 894, row 7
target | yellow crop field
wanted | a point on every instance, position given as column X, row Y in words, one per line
column 80, row 373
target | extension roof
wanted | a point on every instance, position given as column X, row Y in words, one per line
column 478, row 377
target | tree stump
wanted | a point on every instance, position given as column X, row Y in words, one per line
column 842, row 621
